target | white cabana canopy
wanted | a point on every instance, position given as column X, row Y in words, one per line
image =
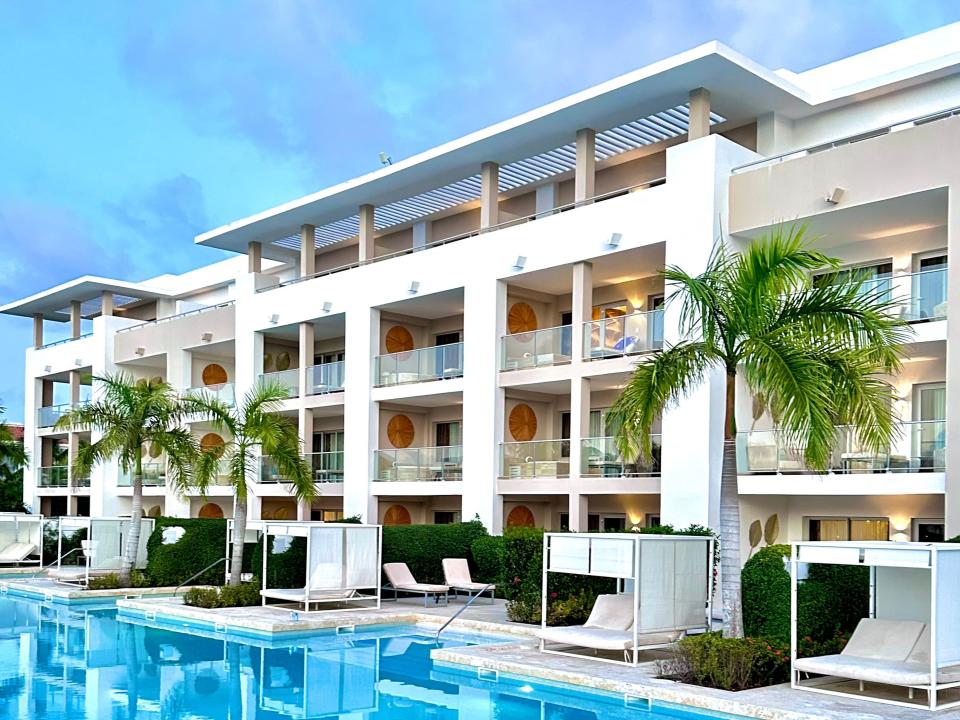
column 342, row 564
column 101, row 551
column 21, row 539
column 912, row 635
column 669, row 577
column 251, row 535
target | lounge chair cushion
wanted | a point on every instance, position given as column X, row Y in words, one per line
column 456, row 572
column 879, row 671
column 878, row 639
column 612, row 612
column 604, row 638
column 17, row 552
column 471, row 586
column 297, row 594
column 400, row 577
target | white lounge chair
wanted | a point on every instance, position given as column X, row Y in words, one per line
column 456, row 573
column 889, row 652
column 400, row 579
column 16, row 553
column 316, row 596
column 609, row 627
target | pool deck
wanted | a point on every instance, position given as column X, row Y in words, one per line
column 51, row 591
column 515, row 652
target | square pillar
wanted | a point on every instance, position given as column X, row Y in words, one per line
column 546, row 199
column 75, row 319
column 254, row 257
column 579, row 422
column 422, row 234
column 37, row 330
column 306, row 358
column 582, row 307
column 489, row 194
column 308, row 251
column 699, row 114
column 368, row 249
column 578, row 512
column 361, row 421
column 952, row 440
column 74, row 379
column 106, row 304
column 585, row 173
column 774, row 133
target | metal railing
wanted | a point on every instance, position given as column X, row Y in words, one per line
column 535, row 459
column 848, row 140
column 599, row 457
column 424, row 464
column 473, row 233
column 325, row 378
column 537, row 348
column 209, row 567
column 420, row 365
column 327, row 467
column 290, row 379
column 918, row 446
column 49, row 415
column 224, row 392
column 177, row 316
column 154, row 475
column 639, row 332
column 918, row 297
column 64, row 341
column 80, row 482
column 459, row 612
column 53, row 476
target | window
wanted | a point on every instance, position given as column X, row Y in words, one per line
column 847, row 528
column 450, row 338
column 873, row 275
column 444, row 517
column 653, row 519
column 447, row 433
column 596, row 428
column 610, row 310
column 332, row 357
column 326, row 515
column 597, row 522
column 928, row 530
column 928, row 434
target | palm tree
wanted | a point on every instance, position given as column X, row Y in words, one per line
column 814, row 351
column 255, row 424
column 13, row 458
column 130, row 415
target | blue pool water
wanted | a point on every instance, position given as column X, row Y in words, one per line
column 87, row 663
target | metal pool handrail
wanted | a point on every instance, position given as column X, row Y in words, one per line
column 459, row 612
column 55, row 562
column 198, row 574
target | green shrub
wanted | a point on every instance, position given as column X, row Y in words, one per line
column 106, row 582
column 727, row 663
column 487, row 552
column 830, row 602
column 203, row 543
column 423, row 547
column 573, row 610
column 242, row 595
column 202, row 597
column 287, row 569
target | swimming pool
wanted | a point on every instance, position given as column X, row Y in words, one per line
column 85, row 662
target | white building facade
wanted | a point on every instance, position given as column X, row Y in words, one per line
column 453, row 327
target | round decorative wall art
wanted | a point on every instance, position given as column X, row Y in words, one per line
column 523, row 423
column 400, row 431
column 212, row 442
column 214, row 374
column 396, row 515
column 521, row 516
column 521, row 318
column 211, row 510
column 398, row 339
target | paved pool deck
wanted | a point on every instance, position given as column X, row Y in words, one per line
column 515, row 652
column 41, row 588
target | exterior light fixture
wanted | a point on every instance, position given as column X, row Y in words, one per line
column 274, row 319
column 47, row 368
column 326, row 307
column 520, row 262
column 414, row 287
column 140, row 350
column 835, row 196
column 614, row 240
column 78, row 362
column 207, row 336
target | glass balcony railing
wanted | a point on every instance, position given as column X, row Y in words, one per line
column 325, row 378
column 426, row 464
column 421, row 365
column 80, row 482
column 600, row 458
column 535, row 459
column 224, row 392
column 928, row 295
column 537, row 348
column 639, row 332
column 52, row 476
column 327, row 467
column 917, row 447
column 48, row 416
column 290, row 379
column 154, row 475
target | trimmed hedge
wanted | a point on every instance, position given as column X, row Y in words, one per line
column 204, row 541
column 422, row 547
column 488, row 554
column 830, row 602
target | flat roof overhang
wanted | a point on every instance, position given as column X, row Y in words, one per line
column 54, row 304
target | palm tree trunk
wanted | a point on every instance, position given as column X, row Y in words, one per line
column 730, row 520
column 239, row 530
column 133, row 535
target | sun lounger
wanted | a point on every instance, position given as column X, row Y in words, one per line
column 78, row 574
column 456, row 573
column 316, row 596
column 609, row 627
column 400, row 579
column 16, row 553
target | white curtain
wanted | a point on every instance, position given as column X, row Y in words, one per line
column 325, row 563
column 570, row 554
column 362, row 570
column 948, row 610
column 612, row 556
column 8, row 530
column 106, row 544
column 657, row 568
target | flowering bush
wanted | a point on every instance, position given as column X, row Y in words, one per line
column 728, row 663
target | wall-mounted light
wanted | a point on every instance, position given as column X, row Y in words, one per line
column 414, row 287
column 836, row 195
column 520, row 262
column 614, row 240
column 78, row 362
column 206, row 337
column 140, row 350
column 274, row 319
column 47, row 368
column 326, row 307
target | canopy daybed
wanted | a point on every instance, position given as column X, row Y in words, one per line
column 911, row 638
column 21, row 539
column 342, row 564
column 664, row 590
column 251, row 536
column 93, row 547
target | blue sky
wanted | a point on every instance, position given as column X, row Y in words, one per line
column 129, row 127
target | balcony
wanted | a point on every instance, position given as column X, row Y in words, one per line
column 327, row 467
column 224, row 392
column 535, row 459
column 421, row 365
column 290, row 379
column 52, row 476
column 64, row 341
column 80, row 482
column 537, row 348
column 48, row 416
column 426, row 464
column 600, row 458
column 928, row 295
column 325, row 378
column 918, row 447
column 154, row 475
column 634, row 334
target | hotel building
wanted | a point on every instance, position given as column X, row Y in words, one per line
column 452, row 327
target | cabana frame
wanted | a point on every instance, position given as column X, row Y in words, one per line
column 891, row 585
column 254, row 529
column 101, row 556
column 621, row 556
column 346, row 587
column 17, row 532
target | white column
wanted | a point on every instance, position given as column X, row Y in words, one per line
column 360, row 413
column 489, row 194
column 774, row 134
column 305, row 357
column 582, row 306
column 248, row 361
column 106, row 303
column 422, row 234
column 32, row 401
column 254, row 257
column 180, row 377
column 585, row 175
column 578, row 512
column 952, row 440
column 104, row 501
column 484, row 322
column 368, row 249
column 546, row 198
column 305, row 425
column 579, row 422
column 308, row 251
column 699, row 114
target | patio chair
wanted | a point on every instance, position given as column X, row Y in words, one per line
column 400, row 579
column 456, row 573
